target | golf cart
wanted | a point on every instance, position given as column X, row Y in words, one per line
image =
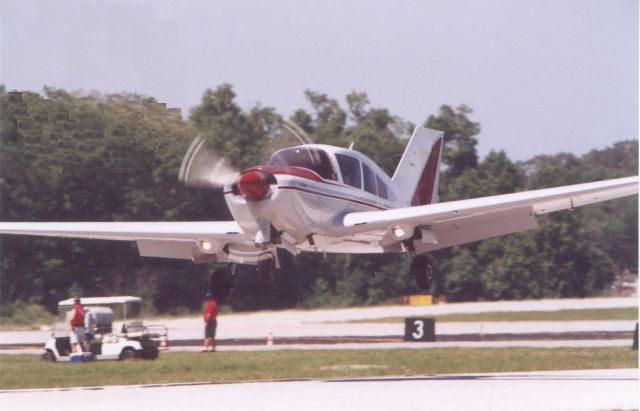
column 117, row 332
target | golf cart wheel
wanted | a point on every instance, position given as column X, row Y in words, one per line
column 150, row 353
column 128, row 354
column 48, row 356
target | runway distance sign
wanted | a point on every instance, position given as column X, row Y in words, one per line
column 419, row 329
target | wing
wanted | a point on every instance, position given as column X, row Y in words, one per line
column 201, row 240
column 458, row 222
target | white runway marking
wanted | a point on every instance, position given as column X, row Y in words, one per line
column 549, row 390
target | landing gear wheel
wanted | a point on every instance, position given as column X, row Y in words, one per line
column 265, row 269
column 220, row 286
column 422, row 272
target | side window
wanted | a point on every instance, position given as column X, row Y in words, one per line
column 350, row 169
column 382, row 189
column 369, row 180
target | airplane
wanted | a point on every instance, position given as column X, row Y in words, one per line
column 327, row 199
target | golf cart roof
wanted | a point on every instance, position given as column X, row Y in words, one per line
column 123, row 299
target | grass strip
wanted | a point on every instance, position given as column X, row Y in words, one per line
column 599, row 314
column 27, row 371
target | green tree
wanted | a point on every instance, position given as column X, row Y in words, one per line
column 459, row 151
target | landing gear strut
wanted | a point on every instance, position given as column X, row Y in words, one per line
column 422, row 272
column 266, row 268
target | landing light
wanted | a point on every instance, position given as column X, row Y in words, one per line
column 398, row 232
column 206, row 245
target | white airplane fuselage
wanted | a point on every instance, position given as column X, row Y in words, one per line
column 304, row 211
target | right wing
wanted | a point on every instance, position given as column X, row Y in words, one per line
column 458, row 222
column 185, row 240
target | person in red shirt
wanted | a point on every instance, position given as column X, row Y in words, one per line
column 76, row 323
column 210, row 314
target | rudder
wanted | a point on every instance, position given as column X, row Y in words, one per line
column 418, row 173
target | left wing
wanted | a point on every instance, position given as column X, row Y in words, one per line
column 457, row 222
column 187, row 240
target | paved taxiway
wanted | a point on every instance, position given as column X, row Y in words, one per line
column 550, row 390
column 321, row 323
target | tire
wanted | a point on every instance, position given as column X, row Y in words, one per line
column 150, row 353
column 48, row 356
column 128, row 354
column 422, row 272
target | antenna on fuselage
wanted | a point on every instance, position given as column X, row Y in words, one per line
column 351, row 146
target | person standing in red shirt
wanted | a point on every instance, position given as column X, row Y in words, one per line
column 210, row 323
column 76, row 323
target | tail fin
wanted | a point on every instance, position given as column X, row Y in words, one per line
column 418, row 173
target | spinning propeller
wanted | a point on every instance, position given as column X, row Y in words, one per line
column 203, row 166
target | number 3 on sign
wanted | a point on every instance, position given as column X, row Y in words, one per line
column 419, row 332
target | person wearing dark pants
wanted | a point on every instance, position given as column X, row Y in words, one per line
column 210, row 323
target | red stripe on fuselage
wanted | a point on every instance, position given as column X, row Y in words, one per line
column 288, row 170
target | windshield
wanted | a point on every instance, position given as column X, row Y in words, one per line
column 311, row 158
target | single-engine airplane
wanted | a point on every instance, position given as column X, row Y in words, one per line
column 320, row 198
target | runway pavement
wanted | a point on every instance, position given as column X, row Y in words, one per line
column 323, row 323
column 551, row 390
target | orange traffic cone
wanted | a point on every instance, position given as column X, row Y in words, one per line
column 270, row 339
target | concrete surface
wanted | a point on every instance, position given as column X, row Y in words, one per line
column 550, row 390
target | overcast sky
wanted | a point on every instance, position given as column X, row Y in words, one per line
column 542, row 76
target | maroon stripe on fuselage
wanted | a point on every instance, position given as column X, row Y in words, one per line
column 424, row 190
column 352, row 200
column 307, row 174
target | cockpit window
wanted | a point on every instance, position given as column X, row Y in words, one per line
column 350, row 169
column 311, row 158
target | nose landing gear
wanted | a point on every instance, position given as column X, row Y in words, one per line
column 422, row 271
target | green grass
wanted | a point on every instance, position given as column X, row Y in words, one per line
column 24, row 371
column 21, row 317
column 630, row 313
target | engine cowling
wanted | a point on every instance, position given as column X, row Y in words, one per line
column 254, row 184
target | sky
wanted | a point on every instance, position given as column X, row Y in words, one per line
column 541, row 76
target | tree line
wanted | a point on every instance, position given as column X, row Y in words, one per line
column 70, row 156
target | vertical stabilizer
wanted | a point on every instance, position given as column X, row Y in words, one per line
column 418, row 173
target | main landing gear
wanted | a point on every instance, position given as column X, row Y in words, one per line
column 422, row 271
